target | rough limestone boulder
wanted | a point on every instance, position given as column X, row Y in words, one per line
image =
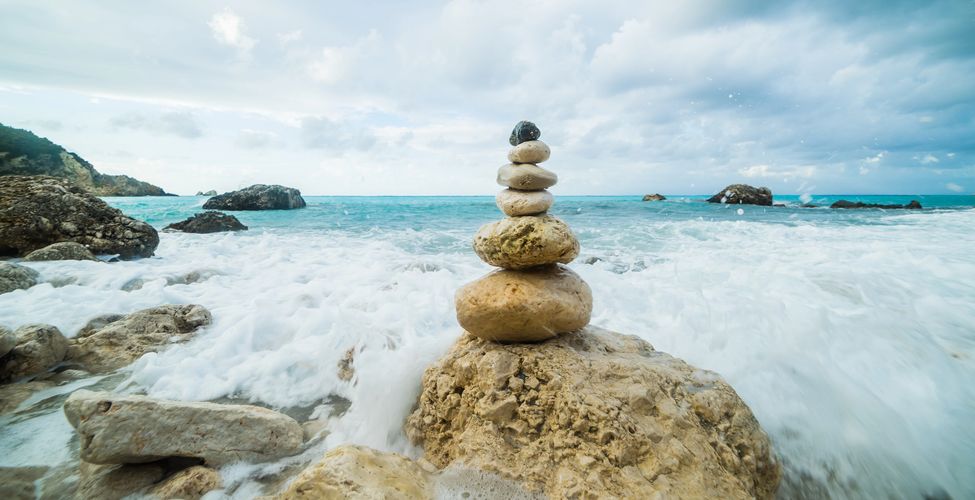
column 104, row 345
column 356, row 472
column 523, row 242
column 117, row 429
column 38, row 211
column 257, row 197
column 7, row 341
column 913, row 205
column 593, row 414
column 654, row 197
column 165, row 479
column 15, row 277
column 743, row 194
column 38, row 348
column 208, row 222
column 66, row 250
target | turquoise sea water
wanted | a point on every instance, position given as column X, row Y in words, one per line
column 850, row 333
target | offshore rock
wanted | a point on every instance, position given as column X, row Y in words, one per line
column 593, row 414
column 208, row 222
column 523, row 242
column 38, row 211
column 515, row 203
column 526, row 176
column 207, row 193
column 743, row 194
column 257, row 197
column 524, row 306
column 38, row 348
column 530, row 152
column 654, row 197
column 66, row 250
column 524, row 131
column 105, row 346
column 913, row 205
column 360, row 473
column 119, row 429
column 16, row 277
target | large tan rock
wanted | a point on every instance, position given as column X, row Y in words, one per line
column 356, row 472
column 526, row 176
column 523, row 242
column 524, row 306
column 593, row 414
column 117, row 429
column 120, row 342
column 7, row 341
column 165, row 479
column 529, row 152
column 515, row 203
column 38, row 348
column 188, row 484
column 17, row 483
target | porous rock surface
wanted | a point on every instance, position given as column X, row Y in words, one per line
column 257, row 197
column 65, row 250
column 594, row 414
column 208, row 222
column 515, row 203
column 16, row 277
column 523, row 242
column 105, row 345
column 743, row 194
column 524, row 306
column 38, row 211
column 38, row 348
column 530, row 152
column 526, row 176
column 360, row 473
column 119, row 429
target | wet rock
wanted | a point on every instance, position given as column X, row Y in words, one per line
column 529, row 152
column 120, row 342
column 523, row 242
column 516, row 203
column 12, row 395
column 654, row 197
column 39, row 211
column 526, row 177
column 66, row 250
column 18, row 483
column 743, row 194
column 115, row 482
column 208, row 222
column 524, row 131
column 257, row 197
column 7, row 341
column 16, row 277
column 360, row 473
column 38, row 348
column 524, row 306
column 593, row 414
column 115, row 429
column 913, row 205
column 188, row 484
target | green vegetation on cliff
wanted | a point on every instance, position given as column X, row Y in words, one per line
column 24, row 153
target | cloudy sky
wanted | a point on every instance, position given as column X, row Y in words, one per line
column 397, row 97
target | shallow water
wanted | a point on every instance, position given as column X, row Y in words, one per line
column 850, row 333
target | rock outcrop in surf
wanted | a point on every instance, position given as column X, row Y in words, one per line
column 743, row 194
column 257, row 197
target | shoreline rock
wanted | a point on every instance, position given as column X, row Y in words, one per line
column 16, row 277
column 66, row 250
column 208, row 222
column 356, row 472
column 743, row 194
column 38, row 348
column 913, row 205
column 257, row 197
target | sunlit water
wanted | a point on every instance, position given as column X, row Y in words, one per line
column 850, row 334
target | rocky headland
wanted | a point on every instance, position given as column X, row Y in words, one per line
column 257, row 197
column 23, row 153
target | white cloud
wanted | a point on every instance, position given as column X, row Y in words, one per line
column 333, row 64
column 951, row 186
column 928, row 159
column 758, row 171
column 228, row 29
column 289, row 37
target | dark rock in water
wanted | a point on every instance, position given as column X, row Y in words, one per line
column 37, row 211
column 66, row 250
column 257, row 197
column 16, row 277
column 18, row 482
column 913, row 205
column 208, row 193
column 208, row 222
column 524, row 131
column 743, row 194
column 654, row 197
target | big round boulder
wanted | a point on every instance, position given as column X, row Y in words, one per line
column 523, row 242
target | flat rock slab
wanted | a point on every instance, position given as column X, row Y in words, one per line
column 119, row 429
column 526, row 176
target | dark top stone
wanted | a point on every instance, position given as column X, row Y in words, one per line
column 208, row 222
column 913, row 205
column 524, row 131
column 743, row 194
column 36, row 211
column 654, row 197
column 257, row 197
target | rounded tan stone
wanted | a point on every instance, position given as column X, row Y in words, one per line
column 529, row 152
column 526, row 176
column 523, row 242
column 524, row 306
column 515, row 203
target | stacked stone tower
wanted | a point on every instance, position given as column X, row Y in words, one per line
column 532, row 297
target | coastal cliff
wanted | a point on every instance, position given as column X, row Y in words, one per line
column 24, row 153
